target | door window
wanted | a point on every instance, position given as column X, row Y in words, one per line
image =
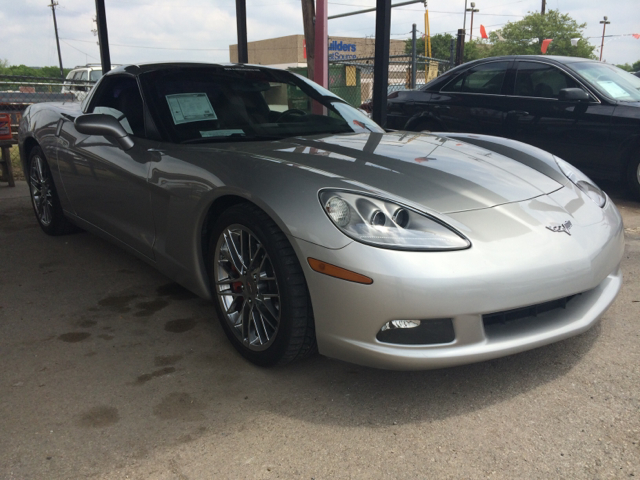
column 119, row 96
column 535, row 79
column 486, row 79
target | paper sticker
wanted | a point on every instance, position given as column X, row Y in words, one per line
column 613, row 89
column 190, row 107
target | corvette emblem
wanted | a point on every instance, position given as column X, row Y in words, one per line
column 565, row 227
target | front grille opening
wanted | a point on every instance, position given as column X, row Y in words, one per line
column 417, row 332
column 507, row 316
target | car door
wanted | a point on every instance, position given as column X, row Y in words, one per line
column 473, row 101
column 576, row 131
column 106, row 185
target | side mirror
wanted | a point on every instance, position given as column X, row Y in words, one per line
column 573, row 95
column 105, row 125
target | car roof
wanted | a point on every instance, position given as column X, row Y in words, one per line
column 139, row 68
column 546, row 58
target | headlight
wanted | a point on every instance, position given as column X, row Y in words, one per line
column 386, row 224
column 583, row 182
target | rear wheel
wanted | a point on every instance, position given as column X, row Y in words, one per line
column 261, row 295
column 44, row 197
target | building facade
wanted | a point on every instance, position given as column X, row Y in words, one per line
column 290, row 51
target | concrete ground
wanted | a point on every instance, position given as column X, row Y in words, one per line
column 109, row 370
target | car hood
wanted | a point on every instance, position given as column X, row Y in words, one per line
column 441, row 174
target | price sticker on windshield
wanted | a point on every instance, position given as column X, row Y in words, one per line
column 190, row 107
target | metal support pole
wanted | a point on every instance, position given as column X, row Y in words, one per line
column 413, row 56
column 55, row 27
column 464, row 22
column 460, row 47
column 452, row 52
column 241, row 21
column 321, row 52
column 308, row 19
column 103, row 37
column 381, row 62
column 401, row 4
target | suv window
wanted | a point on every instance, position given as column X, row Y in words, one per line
column 486, row 78
column 83, row 75
column 535, row 79
column 119, row 96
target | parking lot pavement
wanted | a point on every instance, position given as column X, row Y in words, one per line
column 109, row 370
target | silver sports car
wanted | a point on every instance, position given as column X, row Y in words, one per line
column 311, row 228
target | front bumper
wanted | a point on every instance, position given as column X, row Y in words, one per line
column 526, row 264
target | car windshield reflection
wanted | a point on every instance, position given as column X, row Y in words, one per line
column 610, row 81
column 222, row 104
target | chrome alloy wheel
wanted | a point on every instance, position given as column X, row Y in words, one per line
column 247, row 287
column 41, row 194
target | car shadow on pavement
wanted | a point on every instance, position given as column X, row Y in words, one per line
column 336, row 392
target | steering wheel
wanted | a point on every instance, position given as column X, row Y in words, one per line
column 291, row 111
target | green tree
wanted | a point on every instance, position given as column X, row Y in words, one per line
column 54, row 72
column 476, row 49
column 525, row 36
column 440, row 45
column 630, row 68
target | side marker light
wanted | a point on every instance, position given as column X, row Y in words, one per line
column 338, row 272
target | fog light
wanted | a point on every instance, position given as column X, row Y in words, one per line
column 417, row 332
column 400, row 324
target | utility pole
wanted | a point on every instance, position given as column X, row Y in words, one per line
column 604, row 23
column 413, row 56
column 464, row 22
column 473, row 9
column 308, row 21
column 53, row 6
column 543, row 7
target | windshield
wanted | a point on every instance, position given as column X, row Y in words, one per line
column 213, row 104
column 609, row 80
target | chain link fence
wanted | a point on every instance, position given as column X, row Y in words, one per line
column 18, row 92
column 353, row 79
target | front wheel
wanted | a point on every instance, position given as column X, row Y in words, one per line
column 259, row 290
column 44, row 197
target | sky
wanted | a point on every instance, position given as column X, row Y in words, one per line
column 202, row 30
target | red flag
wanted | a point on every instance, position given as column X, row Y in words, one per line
column 545, row 45
column 483, row 32
column 636, row 36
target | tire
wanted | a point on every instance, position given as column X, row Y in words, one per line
column 633, row 175
column 259, row 291
column 44, row 196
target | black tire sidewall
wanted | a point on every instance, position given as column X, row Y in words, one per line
column 244, row 216
column 57, row 216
